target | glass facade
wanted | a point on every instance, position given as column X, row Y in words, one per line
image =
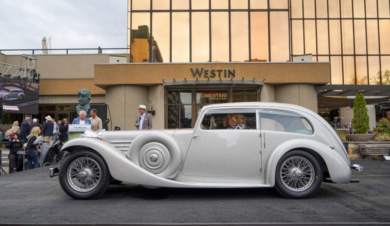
column 210, row 30
column 353, row 35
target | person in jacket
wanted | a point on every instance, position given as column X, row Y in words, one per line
column 34, row 124
column 82, row 119
column 15, row 159
column 48, row 128
column 63, row 130
column 143, row 121
column 32, row 148
column 25, row 129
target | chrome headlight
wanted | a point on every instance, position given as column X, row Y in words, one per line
column 92, row 134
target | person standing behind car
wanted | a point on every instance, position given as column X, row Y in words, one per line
column 56, row 129
column 34, row 124
column 31, row 148
column 48, row 128
column 63, row 130
column 82, row 120
column 96, row 122
column 25, row 129
column 15, row 159
column 143, row 121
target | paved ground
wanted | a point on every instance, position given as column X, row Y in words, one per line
column 33, row 197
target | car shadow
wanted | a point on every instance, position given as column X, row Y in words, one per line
column 139, row 192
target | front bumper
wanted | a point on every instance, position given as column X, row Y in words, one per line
column 357, row 167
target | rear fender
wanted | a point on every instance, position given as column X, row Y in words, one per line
column 338, row 168
column 121, row 168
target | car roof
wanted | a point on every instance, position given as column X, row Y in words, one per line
column 257, row 105
column 12, row 88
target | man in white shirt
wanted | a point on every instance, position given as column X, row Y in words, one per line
column 82, row 119
column 143, row 121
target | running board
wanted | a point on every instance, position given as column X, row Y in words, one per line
column 328, row 180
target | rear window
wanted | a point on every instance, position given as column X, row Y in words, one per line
column 284, row 121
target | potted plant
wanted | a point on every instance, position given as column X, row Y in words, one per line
column 6, row 123
column 360, row 120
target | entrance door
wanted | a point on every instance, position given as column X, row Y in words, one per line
column 216, row 151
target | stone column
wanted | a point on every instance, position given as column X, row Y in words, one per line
column 299, row 94
column 123, row 102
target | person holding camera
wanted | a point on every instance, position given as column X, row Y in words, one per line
column 15, row 145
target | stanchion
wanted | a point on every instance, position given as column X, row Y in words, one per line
column 2, row 171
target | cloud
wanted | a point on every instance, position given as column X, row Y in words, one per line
column 70, row 23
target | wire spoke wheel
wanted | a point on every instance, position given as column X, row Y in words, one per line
column 297, row 173
column 84, row 174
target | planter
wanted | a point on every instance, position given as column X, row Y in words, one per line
column 4, row 128
column 360, row 137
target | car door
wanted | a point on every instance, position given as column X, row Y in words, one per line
column 219, row 152
column 278, row 126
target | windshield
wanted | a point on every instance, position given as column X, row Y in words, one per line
column 6, row 90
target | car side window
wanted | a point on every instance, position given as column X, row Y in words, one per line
column 229, row 119
column 284, row 121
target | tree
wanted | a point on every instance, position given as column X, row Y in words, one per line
column 6, row 119
column 360, row 116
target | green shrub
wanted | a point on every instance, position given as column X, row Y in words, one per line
column 383, row 126
column 341, row 134
column 360, row 116
column 6, row 119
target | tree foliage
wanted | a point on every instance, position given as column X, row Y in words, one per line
column 383, row 126
column 6, row 119
column 360, row 115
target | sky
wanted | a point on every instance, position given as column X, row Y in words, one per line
column 69, row 23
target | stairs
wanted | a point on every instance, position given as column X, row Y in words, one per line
column 4, row 159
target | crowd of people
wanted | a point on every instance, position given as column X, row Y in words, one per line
column 23, row 140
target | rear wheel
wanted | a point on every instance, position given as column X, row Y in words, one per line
column 84, row 175
column 298, row 175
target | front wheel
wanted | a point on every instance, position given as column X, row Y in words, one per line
column 298, row 175
column 84, row 175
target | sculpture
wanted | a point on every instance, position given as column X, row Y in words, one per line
column 84, row 96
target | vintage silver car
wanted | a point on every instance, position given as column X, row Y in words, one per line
column 11, row 93
column 237, row 145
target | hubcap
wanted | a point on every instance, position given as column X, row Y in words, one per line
column 153, row 157
column 297, row 173
column 84, row 174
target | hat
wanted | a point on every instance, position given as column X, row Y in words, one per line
column 48, row 118
column 142, row 107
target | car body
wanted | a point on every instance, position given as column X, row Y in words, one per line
column 284, row 146
column 12, row 93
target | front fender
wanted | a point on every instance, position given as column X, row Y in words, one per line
column 338, row 168
column 121, row 168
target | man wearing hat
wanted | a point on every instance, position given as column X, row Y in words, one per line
column 48, row 128
column 143, row 121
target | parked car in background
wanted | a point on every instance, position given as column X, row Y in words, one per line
column 11, row 93
column 235, row 145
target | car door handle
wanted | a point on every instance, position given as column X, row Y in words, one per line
column 195, row 136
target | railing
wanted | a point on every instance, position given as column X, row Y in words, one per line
column 67, row 51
